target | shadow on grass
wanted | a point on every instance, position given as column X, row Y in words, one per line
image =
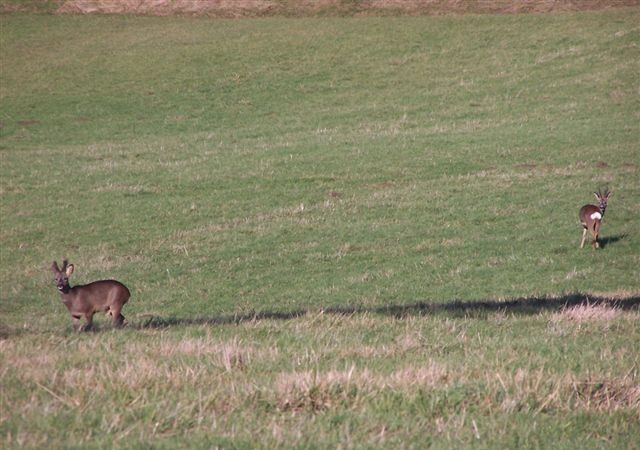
column 458, row 308
column 611, row 239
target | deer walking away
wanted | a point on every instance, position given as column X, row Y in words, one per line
column 591, row 217
column 83, row 301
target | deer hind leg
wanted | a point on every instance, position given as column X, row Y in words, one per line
column 594, row 232
column 122, row 322
column 118, row 319
column 584, row 237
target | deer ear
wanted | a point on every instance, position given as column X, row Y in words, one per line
column 54, row 267
column 69, row 270
column 597, row 195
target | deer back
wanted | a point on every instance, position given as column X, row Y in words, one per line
column 96, row 296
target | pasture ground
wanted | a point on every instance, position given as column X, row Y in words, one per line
column 338, row 232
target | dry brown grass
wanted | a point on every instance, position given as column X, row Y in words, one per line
column 536, row 391
column 308, row 390
column 598, row 318
column 244, row 8
column 194, row 382
column 587, row 313
column 168, row 7
column 566, row 392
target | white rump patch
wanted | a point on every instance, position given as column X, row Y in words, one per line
column 596, row 216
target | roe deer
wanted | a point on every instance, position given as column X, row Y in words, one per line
column 85, row 300
column 591, row 217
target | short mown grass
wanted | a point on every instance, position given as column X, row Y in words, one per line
column 341, row 231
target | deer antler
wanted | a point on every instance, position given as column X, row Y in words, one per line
column 65, row 263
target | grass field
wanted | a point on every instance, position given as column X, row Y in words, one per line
column 338, row 232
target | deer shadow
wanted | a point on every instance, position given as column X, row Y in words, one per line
column 605, row 241
column 456, row 308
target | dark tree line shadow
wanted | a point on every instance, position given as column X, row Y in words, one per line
column 457, row 308
column 607, row 240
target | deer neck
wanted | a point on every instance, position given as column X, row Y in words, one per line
column 65, row 291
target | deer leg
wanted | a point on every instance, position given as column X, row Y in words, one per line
column 584, row 236
column 122, row 321
column 89, row 323
column 594, row 232
column 76, row 323
column 118, row 319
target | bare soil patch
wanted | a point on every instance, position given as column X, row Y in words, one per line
column 28, row 122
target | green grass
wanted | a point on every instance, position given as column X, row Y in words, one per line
column 322, row 223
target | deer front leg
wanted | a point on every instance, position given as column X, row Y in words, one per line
column 89, row 322
column 76, row 323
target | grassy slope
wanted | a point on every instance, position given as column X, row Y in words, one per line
column 223, row 167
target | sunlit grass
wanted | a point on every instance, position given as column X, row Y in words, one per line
column 358, row 232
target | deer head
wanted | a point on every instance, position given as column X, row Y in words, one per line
column 602, row 199
column 62, row 275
